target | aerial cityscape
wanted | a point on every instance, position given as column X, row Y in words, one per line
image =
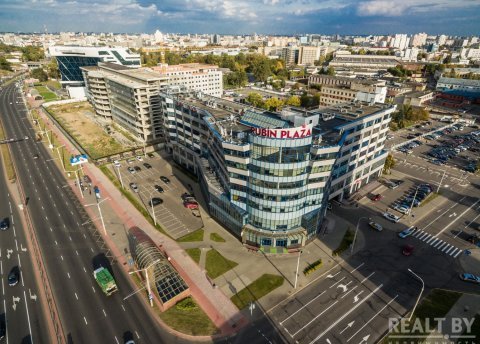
column 240, row 172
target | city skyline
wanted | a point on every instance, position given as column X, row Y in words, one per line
column 346, row 17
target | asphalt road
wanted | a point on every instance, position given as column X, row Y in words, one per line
column 70, row 251
column 20, row 309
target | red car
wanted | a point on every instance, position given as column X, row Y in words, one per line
column 190, row 205
column 407, row 250
column 376, row 197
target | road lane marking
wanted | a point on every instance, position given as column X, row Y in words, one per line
column 28, row 317
column 76, row 296
column 455, row 256
column 361, row 328
column 456, row 218
column 123, row 308
column 430, row 242
column 333, row 285
column 85, row 320
column 68, row 274
column 346, row 314
column 103, row 310
column 454, row 251
column 451, row 248
column 309, row 302
column 138, row 337
column 367, row 277
column 93, row 289
column 446, row 248
column 358, row 267
column 61, row 257
column 117, row 340
column 333, row 304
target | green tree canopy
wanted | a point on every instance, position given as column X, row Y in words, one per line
column 4, row 64
column 255, row 99
column 39, row 74
column 293, row 101
column 273, row 104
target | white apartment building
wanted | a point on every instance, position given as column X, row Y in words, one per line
column 308, row 55
column 196, row 76
column 470, row 53
column 419, row 39
column 400, row 41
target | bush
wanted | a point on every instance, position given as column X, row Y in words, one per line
column 346, row 242
column 312, row 267
column 186, row 304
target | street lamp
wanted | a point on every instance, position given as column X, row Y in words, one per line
column 100, row 212
column 150, row 296
column 419, row 296
column 298, row 265
column 441, row 180
column 120, row 176
column 413, row 200
column 61, row 157
column 151, row 204
column 356, row 230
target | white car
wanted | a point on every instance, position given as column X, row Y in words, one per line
column 116, row 163
column 402, row 209
column 134, row 187
column 391, row 217
column 375, row 226
column 139, row 158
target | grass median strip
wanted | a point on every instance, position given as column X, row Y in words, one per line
column 216, row 264
column 256, row 290
column 7, row 159
column 191, row 237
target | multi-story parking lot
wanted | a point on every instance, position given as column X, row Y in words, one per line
column 143, row 179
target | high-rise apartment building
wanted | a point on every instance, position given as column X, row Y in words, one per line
column 419, row 40
column 290, row 55
column 267, row 176
column 400, row 41
column 308, row 55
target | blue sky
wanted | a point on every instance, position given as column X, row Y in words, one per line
column 455, row 17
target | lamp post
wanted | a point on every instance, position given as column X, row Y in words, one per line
column 120, row 176
column 153, row 209
column 100, row 212
column 441, row 180
column 356, row 230
column 419, row 296
column 413, row 200
column 61, row 157
column 150, row 296
column 298, row 265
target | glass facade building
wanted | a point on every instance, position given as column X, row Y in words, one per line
column 268, row 176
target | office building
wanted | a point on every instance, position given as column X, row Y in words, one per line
column 71, row 58
column 267, row 176
column 337, row 90
column 290, row 55
column 197, row 76
column 308, row 55
column 369, row 62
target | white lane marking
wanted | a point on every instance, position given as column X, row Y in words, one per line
column 361, row 328
column 91, row 249
column 68, row 274
column 28, row 317
column 51, row 230
column 76, row 296
column 76, row 252
column 19, row 262
column 84, row 269
column 56, row 243
column 117, row 340
column 451, row 248
column 446, row 211
column 123, row 308
column 85, row 320
column 138, row 337
column 346, row 314
column 298, row 310
column 430, row 242
column 358, row 267
column 453, row 221
column 333, row 285
column 61, row 257
column 429, row 236
column 6, row 322
column 103, row 310
column 367, row 277
column 446, row 247
column 333, row 304
column 93, row 289
column 16, row 244
column 455, row 256
column 454, row 251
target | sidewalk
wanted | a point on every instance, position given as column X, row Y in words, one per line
column 216, row 304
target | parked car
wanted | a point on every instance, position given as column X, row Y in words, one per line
column 13, row 276
column 155, row 201
column 389, row 216
column 190, row 205
column 165, row 179
column 407, row 250
column 137, row 168
column 134, row 187
column 158, row 188
column 196, row 213
column 147, row 165
column 375, row 226
column 407, row 232
column 402, row 209
column 139, row 158
column 4, row 224
column 376, row 197
column 185, row 195
column 470, row 278
column 116, row 163
column 131, row 170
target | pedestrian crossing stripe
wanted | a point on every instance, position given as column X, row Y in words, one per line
column 437, row 243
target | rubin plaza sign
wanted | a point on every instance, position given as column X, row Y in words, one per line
column 291, row 133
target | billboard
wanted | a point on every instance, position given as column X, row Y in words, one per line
column 78, row 159
column 291, row 133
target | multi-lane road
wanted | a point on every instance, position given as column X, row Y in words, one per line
column 69, row 251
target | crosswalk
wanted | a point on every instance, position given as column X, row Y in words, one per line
column 437, row 243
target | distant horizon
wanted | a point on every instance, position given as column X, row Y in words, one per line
column 239, row 17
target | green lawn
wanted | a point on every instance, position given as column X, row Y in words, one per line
column 188, row 318
column 345, row 243
column 5, row 155
column 216, row 264
column 53, row 84
column 194, row 253
column 46, row 93
column 435, row 305
column 257, row 289
column 216, row 237
column 194, row 236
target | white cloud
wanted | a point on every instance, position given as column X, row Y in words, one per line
column 397, row 8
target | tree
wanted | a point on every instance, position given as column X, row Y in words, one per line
column 262, row 71
column 293, row 101
column 255, row 99
column 330, row 71
column 4, row 64
column 273, row 104
column 403, row 114
column 39, row 74
column 389, row 164
column 447, row 59
column 52, row 69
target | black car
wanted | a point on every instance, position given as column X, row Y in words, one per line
column 164, row 179
column 13, row 276
column 137, row 168
column 158, row 188
column 4, row 224
column 147, row 165
column 155, row 201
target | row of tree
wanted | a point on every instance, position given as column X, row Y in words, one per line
column 407, row 115
column 29, row 53
column 275, row 104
